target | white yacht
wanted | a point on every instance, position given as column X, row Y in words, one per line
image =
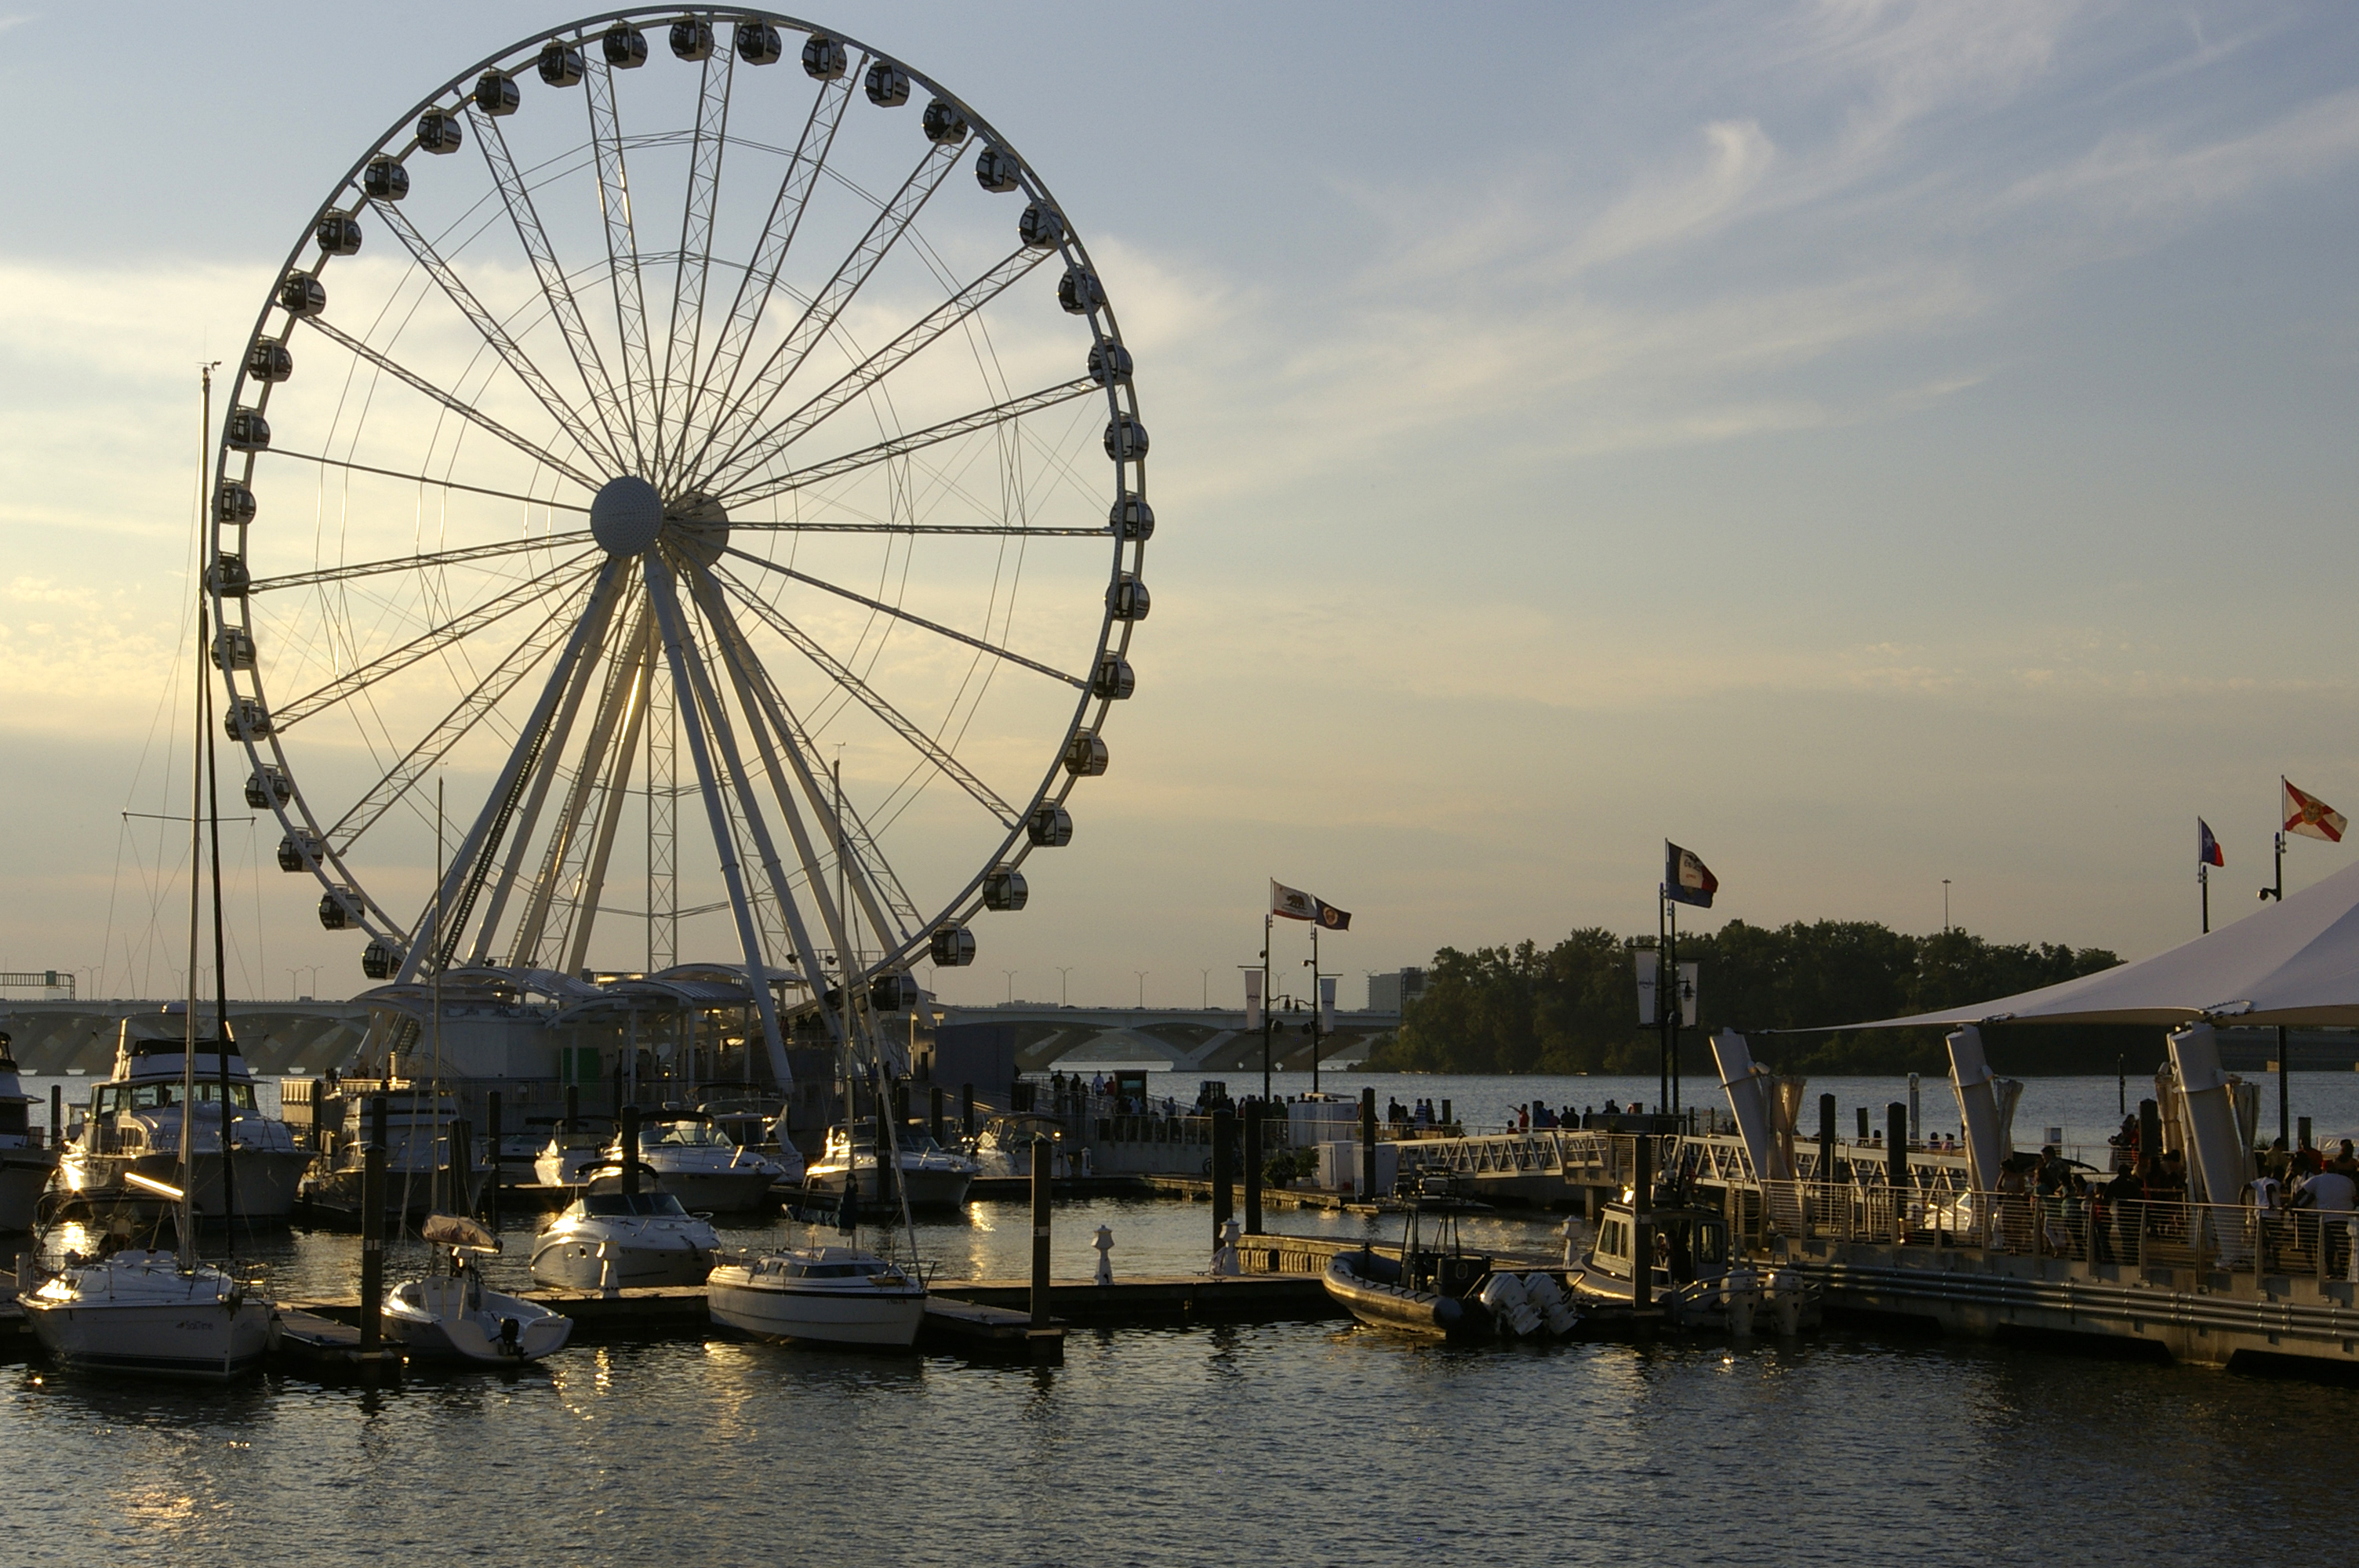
column 609, row 1240
column 1003, row 1147
column 419, row 1178
column 831, row 1295
column 139, row 1310
column 26, row 1164
column 696, row 1162
column 450, row 1313
column 133, row 1126
column 933, row 1175
column 571, row 1155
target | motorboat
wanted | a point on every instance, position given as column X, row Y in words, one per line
column 820, row 1295
column 610, row 1239
column 760, row 1128
column 696, row 1162
column 1434, row 1287
column 1003, row 1147
column 133, row 1125
column 931, row 1175
column 1692, row 1273
column 145, row 1311
column 26, row 1161
column 450, row 1313
column 572, row 1152
column 420, row 1174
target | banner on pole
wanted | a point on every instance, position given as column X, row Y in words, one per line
column 1650, row 961
column 1688, row 995
column 1252, row 1000
column 1326, row 1004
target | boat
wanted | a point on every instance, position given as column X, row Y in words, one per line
column 697, row 1164
column 26, row 1161
column 931, row 1176
column 133, row 1125
column 1694, row 1277
column 418, row 1175
column 1435, row 1287
column 818, row 1294
column 450, row 1313
column 1003, row 1147
column 143, row 1311
column 611, row 1240
column 572, row 1152
column 759, row 1127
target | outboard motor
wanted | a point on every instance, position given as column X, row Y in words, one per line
column 1786, row 1301
column 1546, row 1298
column 1504, row 1294
column 1741, row 1293
column 511, row 1337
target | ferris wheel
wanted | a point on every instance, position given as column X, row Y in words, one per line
column 695, row 446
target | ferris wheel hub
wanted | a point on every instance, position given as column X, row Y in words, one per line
column 626, row 515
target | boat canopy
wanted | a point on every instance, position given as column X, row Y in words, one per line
column 458, row 1230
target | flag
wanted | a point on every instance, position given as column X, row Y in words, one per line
column 1293, row 904
column 2207, row 848
column 1687, row 879
column 2307, row 813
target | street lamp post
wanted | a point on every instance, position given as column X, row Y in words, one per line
column 1011, row 975
column 1142, row 975
column 1205, row 1002
column 1064, row 974
column 1945, row 906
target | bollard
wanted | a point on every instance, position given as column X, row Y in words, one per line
column 631, row 1151
column 372, row 1230
column 57, row 1115
column 1642, row 1214
column 934, row 1111
column 1863, row 1124
column 1253, row 1167
column 1040, row 1180
column 966, row 1109
column 1368, row 1145
column 492, row 1181
column 1895, row 1144
column 1106, row 1255
column 1826, row 1137
column 1224, row 1129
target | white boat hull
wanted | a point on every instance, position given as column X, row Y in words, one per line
column 927, row 1188
column 565, row 1263
column 888, row 1317
column 444, row 1318
column 141, row 1313
column 267, row 1179
column 715, row 1192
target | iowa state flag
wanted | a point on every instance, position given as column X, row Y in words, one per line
column 2307, row 813
column 1687, row 879
column 2207, row 848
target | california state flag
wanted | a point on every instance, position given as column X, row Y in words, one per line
column 2308, row 814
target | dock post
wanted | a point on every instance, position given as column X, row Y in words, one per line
column 1041, row 1162
column 319, row 1106
column 373, row 1229
column 934, row 1110
column 1826, row 1171
column 1642, row 1215
column 2301, row 1129
column 572, row 1107
column 1895, row 1165
column 1368, row 1145
column 631, row 1149
column 1224, row 1146
column 1863, row 1124
column 966, row 1109
column 57, row 1115
column 1445, row 1113
column 1253, row 1167
column 492, row 1140
column 2150, row 1133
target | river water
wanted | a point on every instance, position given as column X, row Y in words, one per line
column 1300, row 1442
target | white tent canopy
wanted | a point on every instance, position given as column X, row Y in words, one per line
column 2294, row 963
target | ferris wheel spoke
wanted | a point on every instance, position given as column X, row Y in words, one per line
column 433, row 640
column 761, row 275
column 774, row 728
column 740, row 420
column 460, row 407
column 916, row 441
column 622, row 250
column 936, row 627
column 695, row 694
column 681, row 344
column 464, row 716
column 922, row 743
column 941, row 318
column 420, row 563
column 489, row 328
column 613, row 416
column 985, row 530
column 428, row 479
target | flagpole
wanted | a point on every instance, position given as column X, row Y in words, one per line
column 1266, row 919
column 2204, row 890
column 1314, row 1007
column 1665, row 975
column 1678, row 1011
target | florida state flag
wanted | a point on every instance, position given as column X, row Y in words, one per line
column 2307, row 813
column 1686, row 879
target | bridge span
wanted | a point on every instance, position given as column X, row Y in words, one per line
column 1183, row 1038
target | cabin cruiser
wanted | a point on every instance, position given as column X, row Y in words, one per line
column 450, row 1311
column 25, row 1162
column 140, row 1310
column 133, row 1126
column 611, row 1240
column 1433, row 1286
column 572, row 1152
column 831, row 1295
column 1694, row 1277
column 1003, row 1147
column 697, row 1164
column 932, row 1175
column 419, row 1177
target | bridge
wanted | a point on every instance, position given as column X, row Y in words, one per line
column 1183, row 1038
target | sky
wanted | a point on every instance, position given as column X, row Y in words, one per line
column 1872, row 444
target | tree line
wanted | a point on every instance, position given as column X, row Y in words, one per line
column 1574, row 1008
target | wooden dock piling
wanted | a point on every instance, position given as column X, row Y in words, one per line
column 373, row 1233
column 1041, row 1178
column 630, row 1119
column 1253, row 1166
column 1225, row 1196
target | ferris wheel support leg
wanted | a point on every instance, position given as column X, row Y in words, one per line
column 586, row 633
column 599, row 765
column 665, row 601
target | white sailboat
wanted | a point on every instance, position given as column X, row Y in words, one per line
column 450, row 1311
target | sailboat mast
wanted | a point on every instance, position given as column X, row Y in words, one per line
column 196, row 866
column 221, row 957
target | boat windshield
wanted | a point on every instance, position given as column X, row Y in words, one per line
column 633, row 1205
column 112, row 1097
column 690, row 1135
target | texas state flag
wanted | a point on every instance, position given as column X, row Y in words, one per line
column 2207, row 848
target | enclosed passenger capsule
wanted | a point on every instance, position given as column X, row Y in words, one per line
column 943, row 123
column 339, row 234
column 495, row 92
column 625, row 46
column 247, row 431
column 691, row 39
column 997, row 171
column 298, row 851
column 1125, row 440
column 758, row 44
column 439, row 131
column 1080, row 292
column 1041, row 227
column 266, row 786
column 1003, row 890
column 338, row 909
column 227, row 576
column 1109, row 361
column 824, row 57
column 1132, row 518
column 269, row 363
column 232, row 649
column 953, row 947
column 379, row 961
column 561, row 64
column 385, row 180
column 894, row 992
column 300, row 294
column 248, row 719
column 1113, row 680
column 1050, row 827
column 1126, row 599
column 887, row 84
column 1085, row 756
column 232, row 504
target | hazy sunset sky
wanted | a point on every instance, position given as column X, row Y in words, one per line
column 1868, row 443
